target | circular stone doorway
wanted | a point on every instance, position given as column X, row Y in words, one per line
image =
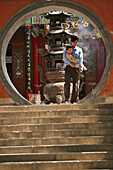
column 44, row 6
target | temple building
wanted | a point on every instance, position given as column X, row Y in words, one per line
column 40, row 42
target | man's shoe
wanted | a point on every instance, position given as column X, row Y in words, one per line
column 67, row 101
column 74, row 102
column 85, row 69
column 81, row 74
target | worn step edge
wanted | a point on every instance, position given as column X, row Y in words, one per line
column 55, row 141
column 66, row 119
column 56, row 112
column 56, row 148
column 56, row 133
column 57, row 107
column 61, row 165
column 56, row 126
column 56, row 156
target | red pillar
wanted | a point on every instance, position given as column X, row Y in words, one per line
column 36, row 75
column 28, row 60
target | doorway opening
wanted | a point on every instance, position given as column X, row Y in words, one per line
column 90, row 40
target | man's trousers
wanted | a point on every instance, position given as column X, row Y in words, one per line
column 71, row 75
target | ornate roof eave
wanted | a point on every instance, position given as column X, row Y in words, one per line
column 60, row 31
column 56, row 52
column 57, row 13
column 53, row 32
column 53, row 53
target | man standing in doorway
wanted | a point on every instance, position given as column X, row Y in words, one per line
column 72, row 71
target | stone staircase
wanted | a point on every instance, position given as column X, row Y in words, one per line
column 56, row 137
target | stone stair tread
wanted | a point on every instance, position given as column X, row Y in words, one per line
column 61, row 140
column 64, row 123
column 56, row 133
column 56, row 107
column 57, row 148
column 59, row 153
column 62, row 130
column 60, row 145
column 66, row 119
column 37, row 110
column 60, row 113
column 61, row 165
column 59, row 117
column 56, row 156
column 75, row 137
column 55, row 111
column 56, row 126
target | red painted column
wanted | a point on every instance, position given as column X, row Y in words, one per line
column 28, row 60
column 36, row 75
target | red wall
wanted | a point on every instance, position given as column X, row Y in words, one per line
column 102, row 8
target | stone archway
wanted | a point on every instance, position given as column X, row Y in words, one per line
column 44, row 6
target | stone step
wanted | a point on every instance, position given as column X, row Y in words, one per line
column 56, row 148
column 23, row 157
column 60, row 113
column 56, row 126
column 56, row 107
column 56, row 141
column 58, row 137
column 56, row 133
column 101, row 164
column 58, row 165
column 66, row 119
column 103, row 99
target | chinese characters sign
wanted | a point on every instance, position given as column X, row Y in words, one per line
column 28, row 54
column 18, row 63
column 71, row 22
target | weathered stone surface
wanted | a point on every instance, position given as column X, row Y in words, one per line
column 74, row 137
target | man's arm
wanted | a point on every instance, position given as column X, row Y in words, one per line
column 72, row 65
column 66, row 61
column 80, row 56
